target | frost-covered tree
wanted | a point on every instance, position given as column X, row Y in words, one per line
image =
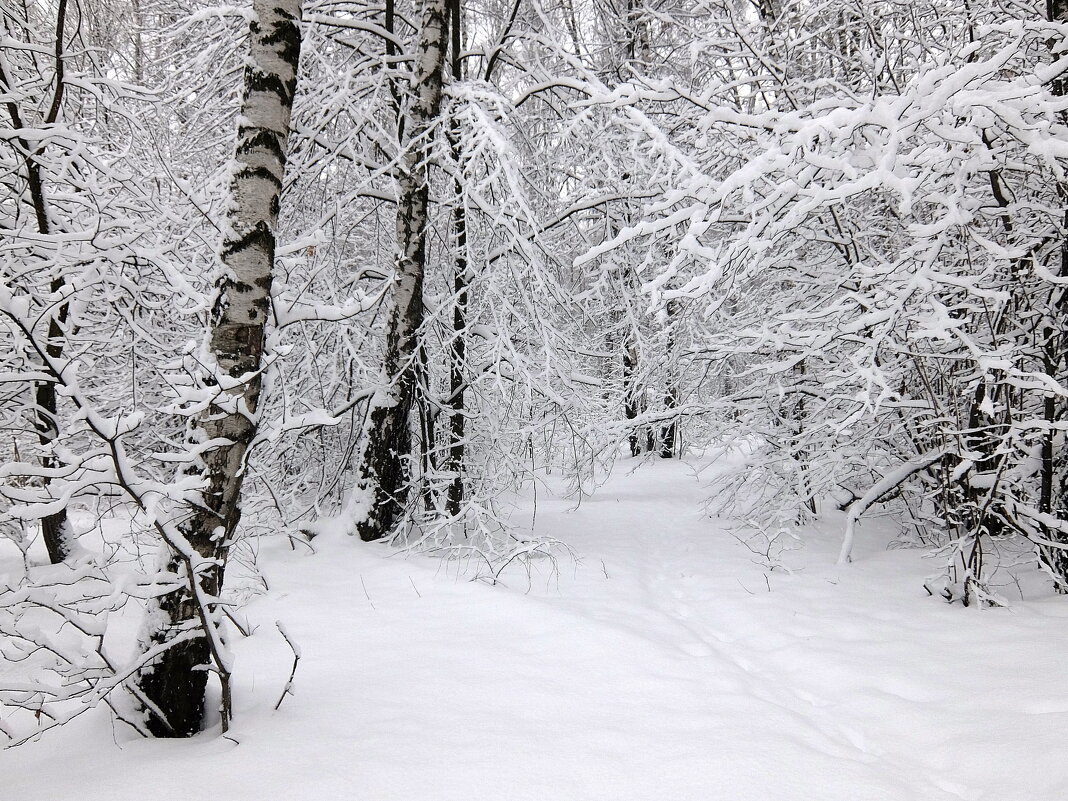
column 228, row 404
column 35, row 92
column 385, row 467
column 873, row 195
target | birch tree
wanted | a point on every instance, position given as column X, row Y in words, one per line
column 230, row 399
column 387, row 456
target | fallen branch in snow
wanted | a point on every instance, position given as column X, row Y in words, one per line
column 880, row 490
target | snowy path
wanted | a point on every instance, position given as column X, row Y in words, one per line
column 666, row 664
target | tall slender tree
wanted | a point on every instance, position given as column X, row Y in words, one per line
column 1053, row 491
column 31, row 135
column 461, row 281
column 222, row 432
column 386, row 465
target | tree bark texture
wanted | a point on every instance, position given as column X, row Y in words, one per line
column 176, row 682
column 633, row 393
column 669, row 432
column 458, row 350
column 385, row 466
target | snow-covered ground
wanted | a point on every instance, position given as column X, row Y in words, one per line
column 666, row 661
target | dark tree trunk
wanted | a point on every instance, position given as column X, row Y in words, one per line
column 175, row 682
column 669, row 433
column 633, row 394
column 1053, row 492
column 55, row 528
column 458, row 348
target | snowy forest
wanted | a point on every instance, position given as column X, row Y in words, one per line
column 550, row 399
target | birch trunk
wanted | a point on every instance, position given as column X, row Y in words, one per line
column 176, row 682
column 387, row 455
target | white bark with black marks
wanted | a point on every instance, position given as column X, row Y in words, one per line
column 385, row 466
column 176, row 683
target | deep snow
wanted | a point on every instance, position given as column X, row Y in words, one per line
column 666, row 661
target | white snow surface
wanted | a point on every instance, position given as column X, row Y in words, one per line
column 665, row 661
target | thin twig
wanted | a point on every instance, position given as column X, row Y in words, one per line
column 288, row 689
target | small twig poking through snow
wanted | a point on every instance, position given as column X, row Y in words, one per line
column 243, row 629
column 366, row 594
column 765, row 544
column 415, row 588
column 1019, row 589
column 288, row 689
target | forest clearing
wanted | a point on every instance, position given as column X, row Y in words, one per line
column 663, row 659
